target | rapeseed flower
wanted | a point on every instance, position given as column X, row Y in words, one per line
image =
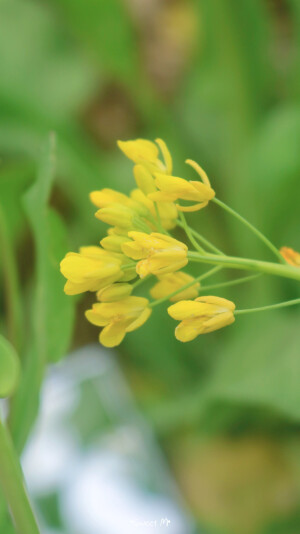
column 118, row 318
column 201, row 316
column 90, row 269
column 159, row 253
column 172, row 188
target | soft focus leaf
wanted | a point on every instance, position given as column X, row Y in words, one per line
column 9, row 368
column 52, row 310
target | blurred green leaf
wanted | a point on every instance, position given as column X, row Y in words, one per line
column 44, row 75
column 9, row 368
column 105, row 27
column 52, row 310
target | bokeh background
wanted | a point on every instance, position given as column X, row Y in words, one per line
column 219, row 81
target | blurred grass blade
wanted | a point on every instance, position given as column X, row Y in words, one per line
column 52, row 312
column 9, row 368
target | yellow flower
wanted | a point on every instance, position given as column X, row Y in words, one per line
column 117, row 215
column 144, row 152
column 291, row 256
column 90, row 270
column 167, row 210
column 118, row 318
column 114, row 292
column 201, row 316
column 160, row 254
column 109, row 197
column 172, row 188
column 106, row 197
column 171, row 282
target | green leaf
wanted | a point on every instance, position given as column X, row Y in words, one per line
column 52, row 311
column 9, row 368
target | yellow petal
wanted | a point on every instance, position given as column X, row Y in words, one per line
column 187, row 331
column 139, row 150
column 184, row 309
column 112, row 335
column 217, row 301
column 199, row 170
column 105, row 197
column 144, row 179
column 218, row 321
column 166, row 155
column 140, row 320
column 195, row 207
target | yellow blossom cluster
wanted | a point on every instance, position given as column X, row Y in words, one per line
column 138, row 246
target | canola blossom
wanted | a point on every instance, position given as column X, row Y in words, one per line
column 139, row 246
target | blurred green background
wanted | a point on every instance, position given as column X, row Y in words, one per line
column 219, row 81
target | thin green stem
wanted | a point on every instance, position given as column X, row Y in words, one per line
column 186, row 286
column 203, row 240
column 12, row 484
column 261, row 236
column 270, row 307
column 188, row 232
column 232, row 262
column 11, row 285
column 241, row 280
column 139, row 282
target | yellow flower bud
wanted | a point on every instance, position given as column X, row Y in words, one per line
column 106, row 197
column 145, row 152
column 89, row 270
column 172, row 282
column 114, row 292
column 201, row 316
column 160, row 254
column 114, row 243
column 116, row 215
column 172, row 188
column 291, row 256
column 118, row 318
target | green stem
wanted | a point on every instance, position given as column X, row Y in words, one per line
column 270, row 307
column 231, row 283
column 203, row 240
column 188, row 232
column 186, row 286
column 232, row 262
column 12, row 484
column 261, row 236
column 11, row 285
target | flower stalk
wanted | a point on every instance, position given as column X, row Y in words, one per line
column 12, row 485
column 232, row 262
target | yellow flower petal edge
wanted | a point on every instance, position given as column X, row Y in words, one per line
column 201, row 316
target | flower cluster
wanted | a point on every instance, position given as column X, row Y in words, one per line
column 138, row 246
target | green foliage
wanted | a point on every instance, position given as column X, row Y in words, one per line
column 9, row 368
column 52, row 312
